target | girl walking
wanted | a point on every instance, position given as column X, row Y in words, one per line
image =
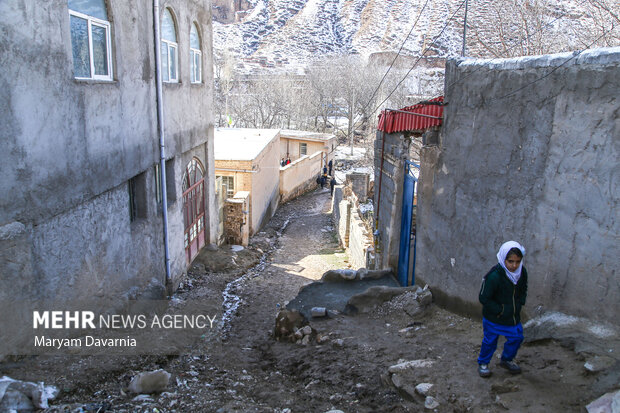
column 502, row 295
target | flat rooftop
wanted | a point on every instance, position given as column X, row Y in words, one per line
column 238, row 144
column 306, row 135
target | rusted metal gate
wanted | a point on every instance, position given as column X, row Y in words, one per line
column 193, row 209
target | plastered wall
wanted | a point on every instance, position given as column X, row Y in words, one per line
column 70, row 146
column 528, row 151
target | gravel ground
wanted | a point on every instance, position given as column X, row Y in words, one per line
column 240, row 367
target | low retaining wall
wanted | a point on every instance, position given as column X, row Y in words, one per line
column 352, row 233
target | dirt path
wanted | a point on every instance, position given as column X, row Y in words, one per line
column 240, row 367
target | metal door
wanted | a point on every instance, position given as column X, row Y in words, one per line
column 193, row 209
column 406, row 256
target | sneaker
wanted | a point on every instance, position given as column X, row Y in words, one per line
column 511, row 366
column 483, row 370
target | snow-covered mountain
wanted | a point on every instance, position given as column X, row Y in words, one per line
column 286, row 34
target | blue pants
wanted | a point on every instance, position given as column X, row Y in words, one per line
column 492, row 331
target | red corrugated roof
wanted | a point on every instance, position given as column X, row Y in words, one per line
column 398, row 121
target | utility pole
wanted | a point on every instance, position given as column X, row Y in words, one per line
column 465, row 27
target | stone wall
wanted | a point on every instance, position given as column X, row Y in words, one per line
column 351, row 230
column 528, row 151
column 360, row 184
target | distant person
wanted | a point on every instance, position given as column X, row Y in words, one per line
column 318, row 179
column 282, row 162
column 325, row 170
column 323, row 180
column 331, row 165
column 332, row 184
column 288, row 161
column 502, row 294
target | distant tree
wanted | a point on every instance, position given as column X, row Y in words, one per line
column 508, row 28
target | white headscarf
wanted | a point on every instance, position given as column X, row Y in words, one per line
column 501, row 257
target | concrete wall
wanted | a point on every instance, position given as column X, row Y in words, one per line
column 265, row 185
column 70, row 146
column 528, row 151
column 299, row 176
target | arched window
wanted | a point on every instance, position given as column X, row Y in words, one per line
column 195, row 55
column 90, row 39
column 169, row 48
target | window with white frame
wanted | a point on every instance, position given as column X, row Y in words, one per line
column 90, row 39
column 169, row 48
column 303, row 149
column 195, row 55
column 229, row 181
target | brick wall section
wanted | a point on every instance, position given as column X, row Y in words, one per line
column 236, row 221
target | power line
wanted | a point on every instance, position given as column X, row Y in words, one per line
column 421, row 56
column 575, row 54
column 544, row 27
column 396, row 57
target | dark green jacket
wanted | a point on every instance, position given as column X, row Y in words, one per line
column 501, row 299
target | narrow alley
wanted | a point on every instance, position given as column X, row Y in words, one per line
column 356, row 367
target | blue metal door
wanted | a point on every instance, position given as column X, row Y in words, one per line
column 406, row 263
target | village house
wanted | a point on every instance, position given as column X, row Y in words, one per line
column 247, row 161
column 83, row 212
column 295, row 144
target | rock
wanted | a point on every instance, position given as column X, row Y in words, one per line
column 425, row 297
column 339, row 342
column 13, row 400
column 598, row 363
column 430, row 403
column 318, row 311
column 142, row 398
column 287, row 321
column 365, row 274
column 305, row 341
column 237, row 248
column 407, row 332
column 322, row 338
column 307, row 330
column 334, row 411
column 423, row 388
column 404, row 388
column 373, row 297
column 507, row 386
column 501, row 403
column 407, row 365
column 37, row 393
column 339, row 275
column 150, row 382
column 607, row 403
column 298, row 334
